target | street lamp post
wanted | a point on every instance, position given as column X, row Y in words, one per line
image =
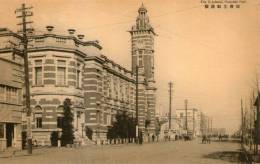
column 98, row 126
column 82, row 129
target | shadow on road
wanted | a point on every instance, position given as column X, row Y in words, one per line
column 230, row 156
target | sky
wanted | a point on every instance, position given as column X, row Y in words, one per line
column 211, row 55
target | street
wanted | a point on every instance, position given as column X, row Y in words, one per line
column 179, row 152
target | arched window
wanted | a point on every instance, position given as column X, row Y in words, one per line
column 38, row 116
column 38, row 109
column 60, row 116
column 59, row 109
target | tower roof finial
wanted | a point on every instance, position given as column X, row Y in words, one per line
column 142, row 8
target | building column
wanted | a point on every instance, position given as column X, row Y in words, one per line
column 17, row 136
column 3, row 140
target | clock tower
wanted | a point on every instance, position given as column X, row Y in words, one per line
column 142, row 37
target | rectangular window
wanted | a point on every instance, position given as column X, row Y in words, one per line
column 38, row 122
column 108, row 119
column 61, row 63
column 78, row 78
column 61, row 76
column 2, row 130
column 140, row 62
column 38, row 75
column 59, row 122
column 8, row 94
column 14, row 95
column 2, row 93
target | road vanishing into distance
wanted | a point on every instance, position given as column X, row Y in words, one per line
column 170, row 152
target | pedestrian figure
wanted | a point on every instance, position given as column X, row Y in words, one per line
column 141, row 138
column 14, row 150
column 220, row 137
column 204, row 139
column 153, row 137
column 208, row 139
column 35, row 143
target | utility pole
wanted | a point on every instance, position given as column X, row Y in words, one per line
column 242, row 123
column 186, row 114
column 257, row 121
column 211, row 121
column 136, row 101
column 193, row 120
column 257, row 117
column 254, row 124
column 170, row 106
column 25, row 12
column 208, row 125
column 250, row 123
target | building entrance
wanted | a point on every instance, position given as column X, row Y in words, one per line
column 9, row 134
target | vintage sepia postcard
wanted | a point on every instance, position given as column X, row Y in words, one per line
column 129, row 81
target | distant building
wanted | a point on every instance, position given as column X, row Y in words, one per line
column 11, row 87
column 218, row 131
column 192, row 126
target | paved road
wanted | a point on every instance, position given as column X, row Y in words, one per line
column 174, row 152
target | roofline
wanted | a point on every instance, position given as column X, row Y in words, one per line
column 75, row 39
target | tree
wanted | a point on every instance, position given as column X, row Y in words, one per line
column 67, row 136
column 89, row 132
column 157, row 126
column 147, row 123
column 123, row 127
column 54, row 138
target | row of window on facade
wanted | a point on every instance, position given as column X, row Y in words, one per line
column 9, row 94
column 61, row 74
column 38, row 122
column 60, row 121
column 115, row 88
column 38, row 112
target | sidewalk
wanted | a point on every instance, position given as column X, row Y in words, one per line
column 13, row 153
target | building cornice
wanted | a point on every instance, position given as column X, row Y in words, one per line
column 75, row 39
column 10, row 33
column 58, row 49
column 142, row 30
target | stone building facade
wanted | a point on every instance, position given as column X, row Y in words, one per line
column 109, row 89
column 56, row 64
column 66, row 66
column 11, row 89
